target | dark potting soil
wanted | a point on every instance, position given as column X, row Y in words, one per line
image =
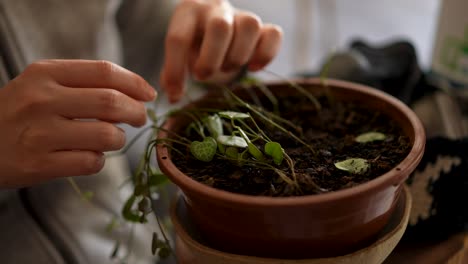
column 331, row 132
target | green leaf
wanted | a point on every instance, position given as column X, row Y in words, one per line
column 164, row 252
column 354, row 166
column 274, row 150
column 370, row 136
column 232, row 152
column 214, row 125
column 204, row 151
column 254, row 151
column 233, row 115
column 127, row 211
column 156, row 179
column 233, row 141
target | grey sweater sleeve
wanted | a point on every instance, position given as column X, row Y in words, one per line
column 142, row 28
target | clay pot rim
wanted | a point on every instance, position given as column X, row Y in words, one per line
column 395, row 177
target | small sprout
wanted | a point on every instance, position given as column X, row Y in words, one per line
column 232, row 141
column 214, row 125
column 254, row 151
column 232, row 152
column 370, row 136
column 354, row 166
column 204, row 151
column 274, row 150
column 233, row 115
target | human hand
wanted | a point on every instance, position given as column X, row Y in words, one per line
column 213, row 40
column 57, row 118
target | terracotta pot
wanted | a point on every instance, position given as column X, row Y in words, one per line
column 312, row 226
column 190, row 249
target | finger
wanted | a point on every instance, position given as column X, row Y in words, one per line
column 246, row 35
column 97, row 136
column 180, row 35
column 219, row 30
column 267, row 47
column 100, row 103
column 73, row 163
column 90, row 73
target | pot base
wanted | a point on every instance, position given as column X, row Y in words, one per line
column 190, row 249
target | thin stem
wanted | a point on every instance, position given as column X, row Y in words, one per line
column 299, row 88
column 271, row 122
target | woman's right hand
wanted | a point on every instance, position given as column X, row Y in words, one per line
column 58, row 117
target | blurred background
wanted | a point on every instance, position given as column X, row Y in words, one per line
column 314, row 28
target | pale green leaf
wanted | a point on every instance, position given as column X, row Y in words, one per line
column 214, row 125
column 370, row 136
column 354, row 166
column 233, row 141
column 233, row 115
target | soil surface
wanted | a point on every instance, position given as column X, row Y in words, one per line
column 331, row 132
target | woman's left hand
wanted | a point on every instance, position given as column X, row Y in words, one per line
column 213, row 41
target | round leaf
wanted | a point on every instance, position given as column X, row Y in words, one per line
column 370, row 136
column 233, row 115
column 354, row 166
column 232, row 152
column 274, row 150
column 204, row 151
column 254, row 151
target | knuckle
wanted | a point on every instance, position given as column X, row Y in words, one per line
column 250, row 21
column 141, row 115
column 105, row 68
column 110, row 137
column 110, row 99
column 176, row 39
column 220, row 25
column 37, row 66
column 30, row 137
column 275, row 31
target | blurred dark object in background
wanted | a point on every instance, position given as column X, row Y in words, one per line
column 391, row 67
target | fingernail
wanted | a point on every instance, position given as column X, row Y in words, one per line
column 151, row 94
